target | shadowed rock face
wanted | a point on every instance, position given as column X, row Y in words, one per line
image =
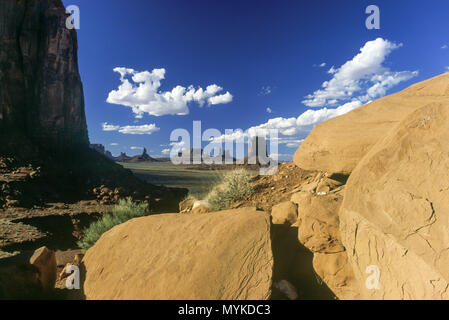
column 41, row 94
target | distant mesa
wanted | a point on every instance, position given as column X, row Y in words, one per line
column 144, row 157
column 122, row 157
column 189, row 155
column 257, row 150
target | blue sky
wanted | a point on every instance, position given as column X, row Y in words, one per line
column 261, row 54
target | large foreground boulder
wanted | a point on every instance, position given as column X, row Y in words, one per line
column 394, row 217
column 221, row 255
column 339, row 144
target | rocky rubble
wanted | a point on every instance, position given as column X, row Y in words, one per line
column 107, row 196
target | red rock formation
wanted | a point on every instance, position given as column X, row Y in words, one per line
column 144, row 157
column 41, row 94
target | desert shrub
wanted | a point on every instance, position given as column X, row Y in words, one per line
column 124, row 211
column 235, row 185
column 202, row 187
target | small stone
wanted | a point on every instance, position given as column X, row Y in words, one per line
column 33, row 174
column 45, row 260
column 284, row 213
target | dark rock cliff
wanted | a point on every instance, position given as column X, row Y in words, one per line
column 44, row 145
column 41, row 94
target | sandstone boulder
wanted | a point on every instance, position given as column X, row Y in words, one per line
column 45, row 261
column 336, row 271
column 299, row 197
column 284, row 213
column 318, row 227
column 394, row 217
column 339, row 144
column 221, row 255
column 318, row 230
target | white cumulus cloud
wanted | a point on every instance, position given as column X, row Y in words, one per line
column 141, row 92
column 110, row 127
column 139, row 130
column 364, row 77
column 291, row 130
column 303, row 123
column 221, row 99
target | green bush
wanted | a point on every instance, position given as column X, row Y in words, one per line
column 234, row 186
column 124, row 211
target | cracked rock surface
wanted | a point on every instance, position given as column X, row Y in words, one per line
column 223, row 255
column 395, row 211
